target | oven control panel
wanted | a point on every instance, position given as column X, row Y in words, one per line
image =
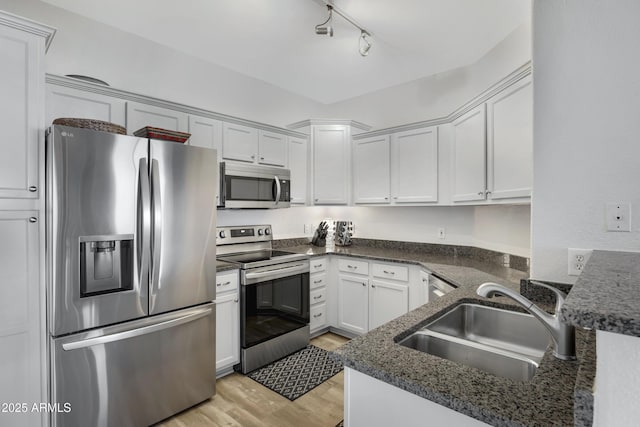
column 243, row 234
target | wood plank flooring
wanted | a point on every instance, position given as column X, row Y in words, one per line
column 240, row 401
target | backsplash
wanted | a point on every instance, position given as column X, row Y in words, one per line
column 489, row 256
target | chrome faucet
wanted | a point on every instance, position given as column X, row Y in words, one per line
column 562, row 333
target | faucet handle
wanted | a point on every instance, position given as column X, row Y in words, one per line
column 560, row 296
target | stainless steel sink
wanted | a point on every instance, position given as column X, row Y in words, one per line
column 502, row 342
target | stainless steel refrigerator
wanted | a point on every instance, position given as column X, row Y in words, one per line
column 130, row 277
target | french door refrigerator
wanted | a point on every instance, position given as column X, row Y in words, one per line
column 130, row 277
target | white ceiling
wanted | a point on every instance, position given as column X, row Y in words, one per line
column 274, row 40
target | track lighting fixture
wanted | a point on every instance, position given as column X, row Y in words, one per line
column 364, row 41
column 324, row 29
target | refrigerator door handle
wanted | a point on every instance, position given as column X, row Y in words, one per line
column 144, row 222
column 118, row 336
column 156, row 238
column 278, row 190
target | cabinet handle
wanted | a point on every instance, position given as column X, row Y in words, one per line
column 253, row 157
column 33, row 219
column 373, row 286
column 488, row 192
column 386, row 198
column 480, row 193
column 352, row 266
column 235, row 300
column 388, row 272
column 33, row 188
column 317, row 266
column 317, row 297
column 317, row 315
column 424, row 280
column 315, row 282
column 261, row 158
column 364, row 284
column 395, row 198
column 224, row 284
column 317, row 200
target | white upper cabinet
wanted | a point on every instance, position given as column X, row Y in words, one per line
column 299, row 167
column 206, row 132
column 239, row 142
column 510, row 142
column 371, row 170
column 68, row 102
column 331, row 160
column 247, row 144
column 21, row 104
column 469, row 156
column 272, row 148
column 414, row 166
column 141, row 115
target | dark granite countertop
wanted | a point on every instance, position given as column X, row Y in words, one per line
column 224, row 266
column 558, row 393
column 606, row 296
column 457, row 270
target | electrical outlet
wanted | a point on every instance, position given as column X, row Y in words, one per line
column 307, row 229
column 618, row 217
column 577, row 258
column 441, row 234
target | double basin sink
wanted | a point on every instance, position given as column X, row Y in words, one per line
column 501, row 342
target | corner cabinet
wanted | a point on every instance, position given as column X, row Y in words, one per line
column 492, row 156
column 23, row 329
column 331, row 164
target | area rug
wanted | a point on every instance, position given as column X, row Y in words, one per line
column 298, row 373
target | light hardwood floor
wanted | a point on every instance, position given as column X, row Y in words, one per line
column 240, row 401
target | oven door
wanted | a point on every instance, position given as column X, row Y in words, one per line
column 246, row 186
column 274, row 302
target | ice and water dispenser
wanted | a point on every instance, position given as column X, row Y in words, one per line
column 106, row 264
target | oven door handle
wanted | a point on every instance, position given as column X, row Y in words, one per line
column 250, row 278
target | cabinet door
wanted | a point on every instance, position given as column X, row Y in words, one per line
column 207, row 133
column 330, row 165
column 239, row 143
column 298, row 165
column 414, row 171
column 67, row 102
column 371, row 180
column 21, row 325
column 227, row 331
column 469, row 156
column 386, row 302
column 353, row 307
column 272, row 149
column 21, row 99
column 510, row 141
column 141, row 115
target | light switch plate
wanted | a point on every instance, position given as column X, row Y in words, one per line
column 618, row 217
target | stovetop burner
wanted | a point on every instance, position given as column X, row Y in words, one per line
column 254, row 256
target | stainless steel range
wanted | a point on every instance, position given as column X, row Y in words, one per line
column 274, row 294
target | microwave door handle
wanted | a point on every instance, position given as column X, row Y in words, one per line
column 278, row 190
column 156, row 238
column 143, row 226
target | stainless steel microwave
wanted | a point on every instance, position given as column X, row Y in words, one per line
column 253, row 187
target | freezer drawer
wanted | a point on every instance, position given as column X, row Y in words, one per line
column 137, row 373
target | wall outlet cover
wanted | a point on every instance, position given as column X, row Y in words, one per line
column 577, row 258
column 618, row 217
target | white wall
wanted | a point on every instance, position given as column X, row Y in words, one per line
column 586, row 74
column 86, row 47
column 441, row 94
column 501, row 228
column 586, row 131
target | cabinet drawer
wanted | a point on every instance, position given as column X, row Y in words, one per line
column 317, row 264
column 317, row 280
column 318, row 316
column 353, row 266
column 389, row 271
column 317, row 296
column 227, row 282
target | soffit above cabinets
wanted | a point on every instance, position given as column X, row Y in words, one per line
column 274, row 40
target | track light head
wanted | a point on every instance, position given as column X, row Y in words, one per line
column 364, row 43
column 324, row 29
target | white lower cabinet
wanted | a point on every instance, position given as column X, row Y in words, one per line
column 387, row 301
column 353, row 306
column 364, row 300
column 227, row 322
column 318, row 294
